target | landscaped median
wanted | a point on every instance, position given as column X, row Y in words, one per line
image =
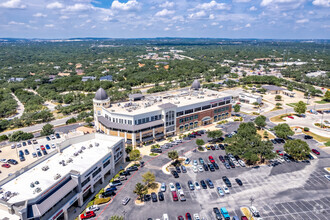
column 154, row 189
column 246, row 212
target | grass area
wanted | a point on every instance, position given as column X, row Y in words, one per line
column 276, row 108
column 278, row 118
column 153, row 154
column 291, row 104
column 261, row 133
column 322, row 102
column 317, row 137
column 327, row 144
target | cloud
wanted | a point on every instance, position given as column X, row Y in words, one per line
column 49, row 25
column 164, row 12
column 64, row 17
column 167, row 4
column 78, row 7
column 214, row 23
column 15, row 4
column 241, row 0
column 270, row 2
column 248, row 25
column 55, row 5
column 39, row 15
column 15, row 23
column 211, row 17
column 322, row 3
column 167, row 29
column 302, row 21
column 281, row 5
column 198, row 14
column 213, row 5
column 253, row 8
column 221, row 26
column 130, row 5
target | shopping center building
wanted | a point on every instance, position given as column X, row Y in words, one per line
column 147, row 118
column 52, row 187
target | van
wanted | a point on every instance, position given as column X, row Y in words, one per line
column 175, row 196
column 165, row 217
column 225, row 213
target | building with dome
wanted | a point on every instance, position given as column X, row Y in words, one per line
column 147, row 118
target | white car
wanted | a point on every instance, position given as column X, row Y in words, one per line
column 220, row 191
column 53, row 146
column 3, row 160
column 165, row 217
column 195, row 163
column 52, row 137
column 93, row 208
column 327, row 176
column 196, row 216
column 254, row 211
column 241, row 162
column 172, row 187
column 195, row 169
column 236, row 163
column 163, row 187
column 200, row 168
column 225, row 188
column 197, row 186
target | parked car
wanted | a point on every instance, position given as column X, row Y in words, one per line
column 201, row 161
column 24, row 143
column 132, row 168
column 178, row 186
column 254, row 211
column 115, row 183
column 209, row 183
column 184, row 169
column 196, row 216
column 6, row 165
column 200, row 168
column 39, row 153
column 227, row 165
column 308, row 137
column 220, row 191
column 191, row 185
column 211, row 167
column 211, row 159
column 174, row 196
column 225, row 189
column 126, row 200
column 181, row 194
column 172, row 187
column 57, row 135
column 178, row 170
column 48, row 138
column 175, row 174
column 217, row 213
column 12, row 161
column 203, row 184
column 195, row 163
column 195, row 170
column 216, row 166
column 315, row 151
column 188, row 216
column 87, row 215
column 29, row 142
column 156, row 150
column 26, row 151
column 163, row 187
column 93, row 208
column 154, row 197
column 197, row 186
column 221, row 159
column 161, row 196
column 206, row 167
column 239, row 182
column 226, row 181
column 187, row 161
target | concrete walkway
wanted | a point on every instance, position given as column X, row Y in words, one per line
column 19, row 109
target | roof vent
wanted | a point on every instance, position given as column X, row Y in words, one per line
column 91, row 145
column 97, row 144
column 57, row 176
column 83, row 148
column 37, row 190
column 75, row 154
column 32, row 185
column 69, row 160
column 45, row 168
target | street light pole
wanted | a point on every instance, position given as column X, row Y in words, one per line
column 124, row 213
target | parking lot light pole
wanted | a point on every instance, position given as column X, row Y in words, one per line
column 124, row 213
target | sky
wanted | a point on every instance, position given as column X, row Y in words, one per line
column 264, row 19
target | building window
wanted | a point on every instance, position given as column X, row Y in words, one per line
column 196, row 124
column 196, row 116
column 206, row 107
column 198, row 109
column 191, row 117
column 179, row 114
column 186, row 126
column 181, row 128
column 85, row 182
column 106, row 163
column 191, row 125
column 221, row 103
column 215, row 118
column 152, row 118
column 189, row 111
column 96, row 172
column 139, row 121
column 214, row 105
column 228, row 101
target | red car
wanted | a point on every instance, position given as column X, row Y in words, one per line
column 42, row 147
column 175, row 196
column 211, row 159
column 188, row 216
column 6, row 165
column 291, row 117
column 196, row 133
column 279, row 152
column 180, row 217
column 244, row 218
column 315, row 151
column 87, row 215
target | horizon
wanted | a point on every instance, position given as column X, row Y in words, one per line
column 136, row 19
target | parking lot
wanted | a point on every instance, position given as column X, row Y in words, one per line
column 279, row 192
column 9, row 153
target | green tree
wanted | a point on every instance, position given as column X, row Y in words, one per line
column 89, row 121
column 140, row 190
column 135, row 155
column 283, row 130
column 256, row 104
column 214, row 134
column 19, row 136
column 237, row 108
column 300, row 107
column 47, row 129
column 297, row 148
column 278, row 105
column 200, row 142
column 148, row 178
column 278, row 98
column 173, row 155
column 3, row 137
column 260, row 121
column 116, row 217
column 71, row 121
column 327, row 96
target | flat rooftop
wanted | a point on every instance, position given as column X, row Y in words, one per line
column 81, row 163
column 180, row 98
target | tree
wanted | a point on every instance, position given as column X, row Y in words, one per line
column 327, row 96
column 283, row 130
column 148, row 178
column 297, row 148
column 71, row 121
column 140, row 190
column 260, row 121
column 214, row 134
column 200, row 142
column 89, row 121
column 173, row 155
column 134, row 155
column 278, row 98
column 19, row 136
column 3, row 137
column 237, row 108
column 256, row 104
column 116, row 217
column 300, row 107
column 278, row 105
column 47, row 129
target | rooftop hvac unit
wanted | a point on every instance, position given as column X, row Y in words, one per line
column 97, row 144
column 57, row 176
column 80, row 151
column 63, row 163
column 32, row 185
column 83, row 148
column 91, row 145
column 69, row 160
column 75, row 154
column 45, row 168
column 37, row 190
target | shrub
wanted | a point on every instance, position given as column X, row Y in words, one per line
column 306, row 128
column 71, row 121
column 99, row 201
column 3, row 137
column 153, row 154
column 317, row 124
column 200, row 148
column 327, row 144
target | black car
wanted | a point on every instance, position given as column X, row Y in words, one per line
column 48, row 138
column 29, row 142
column 308, row 137
column 111, row 188
column 12, row 162
column 154, row 197
column 178, row 169
column 278, row 140
column 39, row 153
column 226, row 181
column 231, row 164
column 239, row 182
column 156, row 150
column 226, row 157
column 44, row 152
column 184, row 169
column 24, row 143
column 203, row 184
column 273, row 141
column 310, row 157
column 21, row 158
column 217, row 213
column 109, row 193
column 161, row 196
column 192, row 136
column 132, row 168
column 221, row 159
column 216, row 166
column 212, row 147
column 147, row 197
column 57, row 135
column 222, row 147
column 237, row 157
column 211, row 167
column 20, row 153
column 26, row 151
column 124, row 173
column 282, row 140
column 175, row 174
column 206, row 168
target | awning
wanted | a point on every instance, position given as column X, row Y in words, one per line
column 206, row 118
column 42, row 208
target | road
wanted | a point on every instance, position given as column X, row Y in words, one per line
column 291, row 110
column 38, row 127
column 19, row 109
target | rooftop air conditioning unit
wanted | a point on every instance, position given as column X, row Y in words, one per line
column 37, row 190
column 69, row 160
column 83, row 148
column 75, row 154
column 97, row 144
column 45, row 168
column 57, row 176
column 91, row 145
column 80, row 151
